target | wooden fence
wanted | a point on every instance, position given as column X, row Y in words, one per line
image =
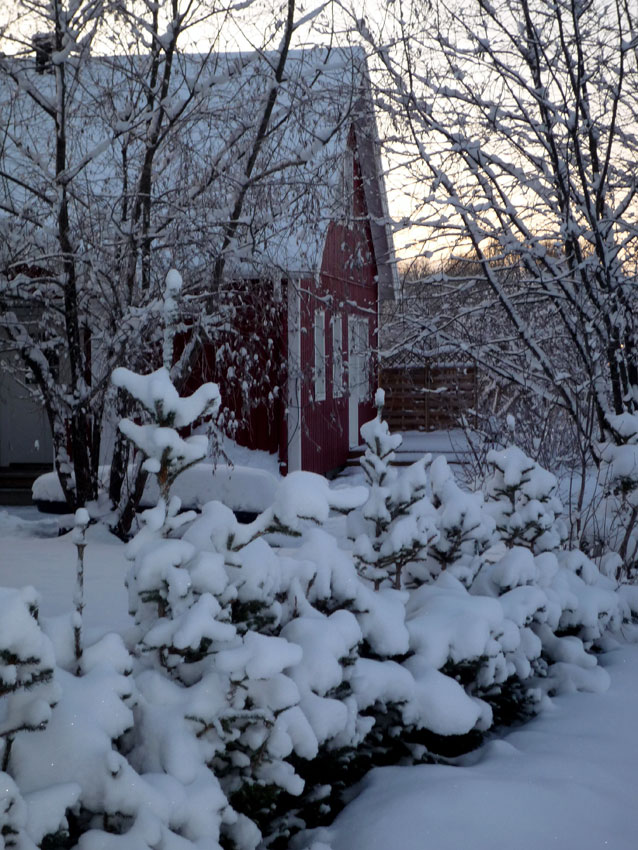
column 428, row 397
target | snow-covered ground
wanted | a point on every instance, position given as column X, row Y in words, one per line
column 567, row 780
column 241, row 488
column 48, row 563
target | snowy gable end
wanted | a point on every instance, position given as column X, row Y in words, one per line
column 311, row 277
column 333, row 316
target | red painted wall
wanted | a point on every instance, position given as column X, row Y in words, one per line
column 346, row 286
column 248, row 361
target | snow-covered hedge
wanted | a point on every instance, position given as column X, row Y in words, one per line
column 239, row 487
column 496, row 604
column 259, row 681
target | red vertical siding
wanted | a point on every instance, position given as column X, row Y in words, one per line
column 284, row 354
column 248, row 362
column 346, row 286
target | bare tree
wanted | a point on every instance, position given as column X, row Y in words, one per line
column 516, row 121
column 122, row 156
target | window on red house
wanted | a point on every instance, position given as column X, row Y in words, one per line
column 320, row 355
column 337, row 356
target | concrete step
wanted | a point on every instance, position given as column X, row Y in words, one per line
column 354, row 455
column 408, row 457
column 16, row 481
column 15, row 496
column 402, row 462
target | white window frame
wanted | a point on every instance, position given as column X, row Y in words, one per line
column 359, row 355
column 320, row 355
column 337, row 357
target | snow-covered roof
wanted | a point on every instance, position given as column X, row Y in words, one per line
column 297, row 185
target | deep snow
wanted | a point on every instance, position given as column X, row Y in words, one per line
column 566, row 780
column 48, row 563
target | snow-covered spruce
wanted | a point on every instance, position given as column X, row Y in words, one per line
column 74, row 782
column 513, row 613
column 559, row 597
column 497, row 609
column 12, row 815
column 612, row 531
column 395, row 526
column 167, row 453
column 422, row 538
column 522, row 497
column 28, row 691
column 62, row 775
column 27, row 687
column 264, row 680
column 243, row 650
column 464, row 530
column 66, row 779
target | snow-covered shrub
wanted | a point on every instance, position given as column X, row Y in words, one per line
column 561, row 602
column 416, row 538
column 167, row 453
column 465, row 531
column 13, row 817
column 458, row 646
column 261, row 680
column 492, row 594
column 180, row 623
column 81, row 778
column 522, row 497
column 65, row 774
column 74, row 764
column 395, row 526
column 27, row 686
column 612, row 532
column 244, row 651
column 28, row 692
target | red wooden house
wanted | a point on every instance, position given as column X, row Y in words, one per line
column 328, row 264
